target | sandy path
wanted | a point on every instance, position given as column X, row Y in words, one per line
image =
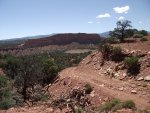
column 88, row 75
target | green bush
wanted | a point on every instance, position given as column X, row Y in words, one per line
column 5, row 94
column 116, row 104
column 88, row 88
column 78, row 109
column 143, row 32
column 117, row 54
column 143, row 39
column 106, row 50
column 132, row 65
column 117, row 50
column 39, row 96
column 129, row 104
column 50, row 70
column 109, row 105
column 144, row 110
column 6, row 104
column 112, row 40
column 137, row 36
column 3, row 81
column 117, row 107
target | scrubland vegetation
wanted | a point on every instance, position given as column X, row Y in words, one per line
column 25, row 73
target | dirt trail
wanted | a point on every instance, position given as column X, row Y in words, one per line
column 104, row 84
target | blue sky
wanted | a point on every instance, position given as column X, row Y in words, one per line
column 19, row 18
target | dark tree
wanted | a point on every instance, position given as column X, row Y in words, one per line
column 50, row 70
column 120, row 31
column 130, row 32
column 10, row 67
column 143, row 32
column 28, row 74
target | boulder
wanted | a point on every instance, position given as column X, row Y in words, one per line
column 147, row 78
column 140, row 79
column 121, row 88
column 124, row 74
column 134, row 91
column 92, row 94
column 117, row 74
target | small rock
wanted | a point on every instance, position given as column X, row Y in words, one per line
column 144, row 93
column 117, row 74
column 106, row 99
column 105, row 72
column 121, row 88
column 92, row 94
column 109, row 70
column 121, row 78
column 139, row 84
column 23, row 109
column 124, row 74
column 147, row 78
column 149, row 52
column 69, row 100
column 49, row 110
column 139, row 79
column 133, row 85
column 102, row 85
column 133, row 91
column 76, row 87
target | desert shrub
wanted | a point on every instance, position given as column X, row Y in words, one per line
column 129, row 104
column 116, row 104
column 39, row 97
column 112, row 40
column 132, row 65
column 117, row 107
column 143, row 32
column 109, row 105
column 3, row 81
column 88, row 88
column 117, row 50
column 50, row 70
column 78, row 109
column 144, row 110
column 10, row 67
column 6, row 104
column 117, row 54
column 2, row 63
column 5, row 93
column 137, row 36
column 106, row 50
column 44, row 98
column 143, row 39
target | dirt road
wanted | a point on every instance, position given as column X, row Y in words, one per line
column 104, row 84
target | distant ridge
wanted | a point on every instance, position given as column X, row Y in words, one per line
column 105, row 34
column 27, row 37
column 64, row 39
column 11, row 43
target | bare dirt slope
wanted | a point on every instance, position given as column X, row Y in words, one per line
column 107, row 86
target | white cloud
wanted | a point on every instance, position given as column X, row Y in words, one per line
column 98, row 22
column 106, row 15
column 121, row 18
column 90, row 22
column 124, row 9
column 140, row 22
